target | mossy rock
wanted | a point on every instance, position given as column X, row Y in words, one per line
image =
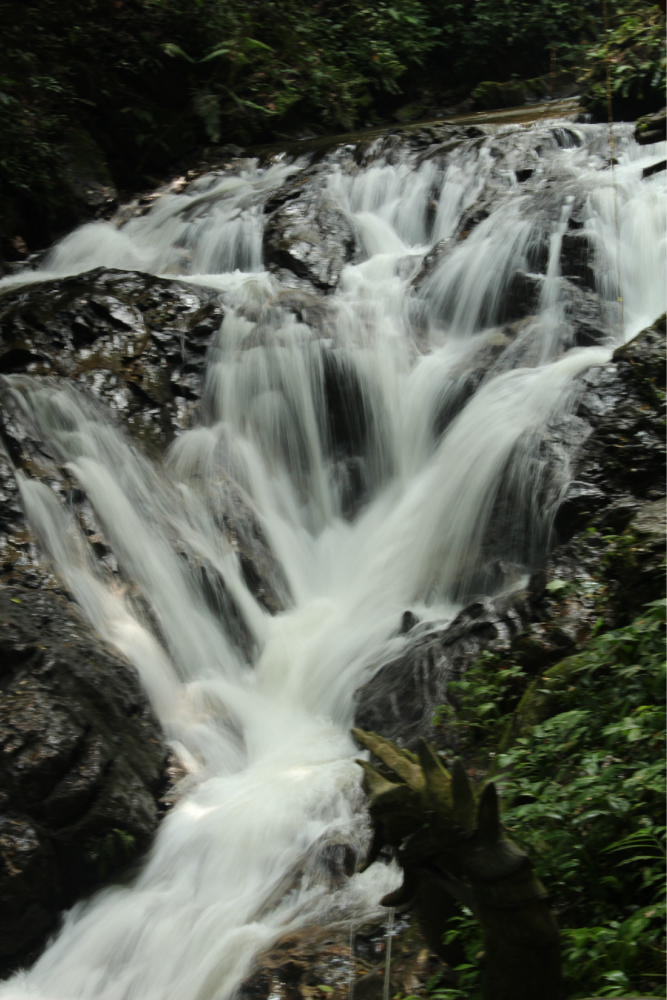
column 490, row 94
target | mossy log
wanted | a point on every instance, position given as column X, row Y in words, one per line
column 452, row 846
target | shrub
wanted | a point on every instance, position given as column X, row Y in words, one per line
column 584, row 793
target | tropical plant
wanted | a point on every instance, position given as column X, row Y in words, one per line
column 584, row 794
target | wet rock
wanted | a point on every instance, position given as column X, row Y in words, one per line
column 85, row 172
column 347, row 411
column 263, row 574
column 19, row 558
column 409, row 112
column 489, row 94
column 408, row 622
column 466, row 379
column 82, row 765
column 433, row 259
column 310, row 237
column 577, row 257
column 610, row 523
column 400, row 699
column 138, row 342
column 655, row 168
column 607, row 555
column 477, row 213
column 651, row 128
column 334, row 963
column 620, row 466
column 585, row 315
column 521, row 297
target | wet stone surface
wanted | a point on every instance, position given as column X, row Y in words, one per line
column 137, row 342
column 399, row 702
column 343, row 963
column 308, row 236
column 82, row 765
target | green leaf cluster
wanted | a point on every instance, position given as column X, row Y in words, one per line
column 584, row 794
column 152, row 80
column 110, row 851
column 634, row 47
column 263, row 58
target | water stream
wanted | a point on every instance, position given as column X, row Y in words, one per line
column 402, row 524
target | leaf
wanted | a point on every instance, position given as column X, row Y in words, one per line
column 251, row 43
column 215, row 54
column 171, row 49
column 558, row 587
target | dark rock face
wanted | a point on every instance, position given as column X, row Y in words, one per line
column 583, row 310
column 86, row 174
column 309, row 237
column 651, row 128
column 490, row 94
column 262, row 573
column 82, row 765
column 138, row 343
column 620, row 466
column 521, row 297
column 19, row 560
column 433, row 259
column 400, row 700
column 611, row 522
column 577, row 255
column 329, row 959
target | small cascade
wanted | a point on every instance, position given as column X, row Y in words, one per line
column 402, row 326
column 386, row 986
column 350, row 981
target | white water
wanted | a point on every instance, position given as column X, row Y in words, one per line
column 272, row 779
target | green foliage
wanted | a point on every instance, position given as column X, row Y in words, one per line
column 109, row 852
column 153, row 80
column 515, row 37
column 584, row 793
column 329, row 59
column 635, row 48
column 482, row 699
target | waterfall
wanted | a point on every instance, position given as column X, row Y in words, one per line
column 399, row 519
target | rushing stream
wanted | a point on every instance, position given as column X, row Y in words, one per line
column 400, row 519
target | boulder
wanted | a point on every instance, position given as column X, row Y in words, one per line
column 651, row 128
column 585, row 315
column 489, row 94
column 577, row 256
column 85, row 173
column 521, row 297
column 620, row 465
column 399, row 701
column 136, row 341
column 82, row 766
column 309, row 237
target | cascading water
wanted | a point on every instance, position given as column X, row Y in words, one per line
column 445, row 393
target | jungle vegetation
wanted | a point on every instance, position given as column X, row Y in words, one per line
column 578, row 756
column 134, row 85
